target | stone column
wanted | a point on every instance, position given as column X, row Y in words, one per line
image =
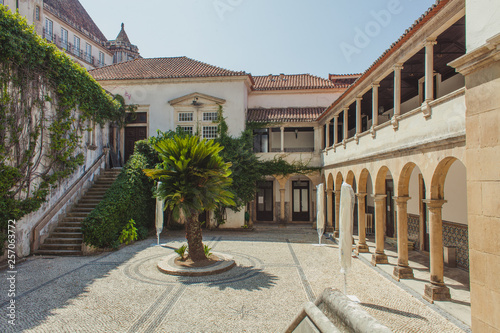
column 358, row 114
column 335, row 129
column 429, row 69
column 402, row 270
column 375, row 86
column 282, row 129
column 327, row 134
column 337, row 211
column 329, row 212
column 436, row 290
column 346, row 125
column 361, row 247
column 379, row 256
column 397, row 89
column 282, row 205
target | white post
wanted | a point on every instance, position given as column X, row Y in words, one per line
column 375, row 86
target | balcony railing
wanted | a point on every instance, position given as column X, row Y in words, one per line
column 294, row 150
column 72, row 49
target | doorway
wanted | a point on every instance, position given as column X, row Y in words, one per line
column 300, row 200
column 133, row 134
column 389, row 191
column 264, row 201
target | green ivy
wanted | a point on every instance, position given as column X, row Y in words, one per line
column 129, row 197
column 46, row 100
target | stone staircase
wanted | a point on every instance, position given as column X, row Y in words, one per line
column 67, row 237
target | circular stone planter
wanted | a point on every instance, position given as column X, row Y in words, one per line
column 168, row 266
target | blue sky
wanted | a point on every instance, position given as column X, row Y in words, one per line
column 262, row 37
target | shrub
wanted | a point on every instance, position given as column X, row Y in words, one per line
column 129, row 233
column 129, row 197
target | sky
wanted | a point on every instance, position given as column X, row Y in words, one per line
column 262, row 36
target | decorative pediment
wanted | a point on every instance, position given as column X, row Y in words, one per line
column 197, row 99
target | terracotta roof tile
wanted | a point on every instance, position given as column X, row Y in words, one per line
column 161, row 68
column 284, row 115
column 73, row 13
column 292, row 82
column 343, row 79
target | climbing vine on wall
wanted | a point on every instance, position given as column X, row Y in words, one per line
column 47, row 102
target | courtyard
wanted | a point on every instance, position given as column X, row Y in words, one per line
column 278, row 270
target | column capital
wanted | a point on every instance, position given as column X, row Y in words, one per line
column 345, row 108
column 361, row 195
column 401, row 200
column 335, row 116
column 359, row 98
column 337, row 192
column 430, row 41
column 398, row 67
column 375, row 84
column 329, row 191
column 434, row 203
column 379, row 197
column 282, row 189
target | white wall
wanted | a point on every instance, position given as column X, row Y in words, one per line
column 455, row 192
column 258, row 99
column 161, row 113
column 482, row 21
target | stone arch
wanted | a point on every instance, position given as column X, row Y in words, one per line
column 439, row 177
column 351, row 180
column 363, row 180
column 329, row 185
column 380, row 180
column 338, row 180
column 404, row 179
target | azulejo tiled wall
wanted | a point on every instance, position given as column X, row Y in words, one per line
column 454, row 234
column 457, row 235
column 413, row 229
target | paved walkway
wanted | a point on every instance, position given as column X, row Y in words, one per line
column 278, row 270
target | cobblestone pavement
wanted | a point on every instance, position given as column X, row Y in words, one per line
column 278, row 270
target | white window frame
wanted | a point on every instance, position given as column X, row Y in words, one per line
column 37, row 12
column 77, row 45
column 210, row 132
column 49, row 29
column 64, row 38
column 101, row 58
column 210, row 116
column 186, row 120
column 88, row 52
column 187, row 129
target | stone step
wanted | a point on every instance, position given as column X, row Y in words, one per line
column 76, row 214
column 72, row 220
column 68, row 229
column 73, row 247
column 72, row 241
column 60, row 252
column 88, row 201
column 70, row 225
column 82, row 209
column 86, row 204
column 66, row 235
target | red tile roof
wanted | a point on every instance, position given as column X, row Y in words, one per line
column 292, row 82
column 161, row 68
column 343, row 79
column 431, row 12
column 73, row 13
column 284, row 115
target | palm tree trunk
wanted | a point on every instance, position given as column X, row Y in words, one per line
column 194, row 238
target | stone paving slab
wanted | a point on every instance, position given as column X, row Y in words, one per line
column 277, row 271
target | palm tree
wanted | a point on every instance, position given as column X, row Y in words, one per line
column 194, row 178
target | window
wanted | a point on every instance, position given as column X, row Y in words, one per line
column 101, row 58
column 77, row 46
column 64, row 38
column 48, row 29
column 137, row 118
column 88, row 52
column 209, row 132
column 210, row 116
column 187, row 129
column 37, row 12
column 186, row 116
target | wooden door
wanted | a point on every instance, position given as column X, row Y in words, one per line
column 300, row 201
column 133, row 134
column 264, row 201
